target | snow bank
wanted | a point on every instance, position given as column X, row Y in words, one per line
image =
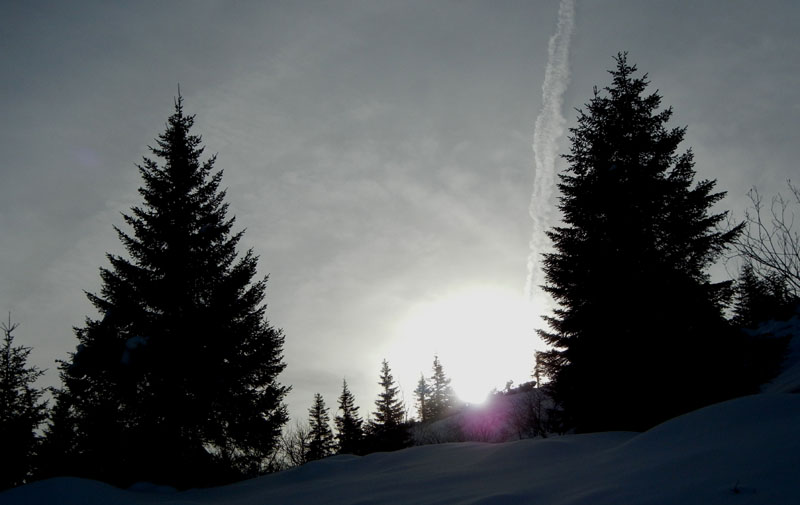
column 788, row 381
column 739, row 452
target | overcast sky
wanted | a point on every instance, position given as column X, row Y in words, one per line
column 377, row 153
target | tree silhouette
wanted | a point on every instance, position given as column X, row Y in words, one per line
column 349, row 426
column 759, row 299
column 770, row 243
column 387, row 431
column 320, row 444
column 442, row 398
column 21, row 410
column 294, row 443
column 423, row 396
column 177, row 381
column 639, row 335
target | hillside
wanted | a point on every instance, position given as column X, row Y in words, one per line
column 742, row 451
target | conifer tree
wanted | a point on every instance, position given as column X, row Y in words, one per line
column 176, row 382
column 59, row 448
column 387, row 429
column 349, row 425
column 423, row 395
column 389, row 408
column 21, row 410
column 320, row 444
column 759, row 299
column 442, row 398
column 639, row 335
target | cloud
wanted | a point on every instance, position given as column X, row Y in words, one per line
column 549, row 127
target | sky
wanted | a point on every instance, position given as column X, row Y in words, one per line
column 378, row 155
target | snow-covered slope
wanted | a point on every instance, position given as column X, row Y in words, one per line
column 744, row 451
column 788, row 380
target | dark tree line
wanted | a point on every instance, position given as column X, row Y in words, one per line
column 387, row 430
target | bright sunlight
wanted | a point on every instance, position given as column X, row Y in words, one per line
column 484, row 336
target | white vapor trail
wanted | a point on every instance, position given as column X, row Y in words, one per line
column 549, row 128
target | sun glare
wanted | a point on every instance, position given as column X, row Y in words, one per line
column 484, row 336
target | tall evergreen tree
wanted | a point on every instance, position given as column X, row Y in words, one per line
column 442, row 398
column 349, row 425
column 639, row 335
column 389, row 408
column 387, row 429
column 176, row 382
column 21, row 410
column 423, row 396
column 321, row 443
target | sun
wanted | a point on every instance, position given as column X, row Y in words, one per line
column 483, row 335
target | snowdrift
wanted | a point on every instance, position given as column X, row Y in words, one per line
column 739, row 452
column 788, row 380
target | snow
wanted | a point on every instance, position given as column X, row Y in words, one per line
column 788, row 381
column 743, row 451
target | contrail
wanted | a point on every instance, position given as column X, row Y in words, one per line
column 549, row 127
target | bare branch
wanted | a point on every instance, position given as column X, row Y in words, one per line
column 770, row 241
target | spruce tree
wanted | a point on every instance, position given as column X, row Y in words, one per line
column 759, row 299
column 442, row 398
column 59, row 449
column 321, row 442
column 176, row 382
column 423, row 395
column 387, row 429
column 21, row 411
column 639, row 334
column 349, row 425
